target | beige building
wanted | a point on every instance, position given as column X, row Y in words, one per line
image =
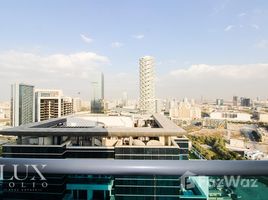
column 185, row 111
column 50, row 103
column 263, row 117
column 47, row 104
column 66, row 106
column 230, row 116
column 5, row 110
column 77, row 104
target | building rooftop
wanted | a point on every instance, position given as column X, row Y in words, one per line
column 96, row 120
column 85, row 125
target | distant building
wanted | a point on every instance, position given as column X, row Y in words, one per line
column 159, row 105
column 231, row 116
column 147, row 85
column 85, row 105
column 167, row 105
column 47, row 104
column 77, row 104
column 262, row 117
column 254, row 155
column 185, row 111
column 124, row 99
column 51, row 104
column 245, row 102
column 219, row 102
column 66, row 106
column 5, row 110
column 97, row 93
column 22, row 104
column 2, row 115
column 235, row 100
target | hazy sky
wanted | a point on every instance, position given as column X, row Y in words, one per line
column 210, row 48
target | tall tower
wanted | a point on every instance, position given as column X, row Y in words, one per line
column 97, row 93
column 147, row 85
column 235, row 100
column 124, row 99
column 22, row 104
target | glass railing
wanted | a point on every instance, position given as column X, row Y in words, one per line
column 132, row 179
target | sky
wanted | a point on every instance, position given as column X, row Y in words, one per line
column 214, row 49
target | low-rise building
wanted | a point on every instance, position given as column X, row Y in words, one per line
column 263, row 117
column 230, row 116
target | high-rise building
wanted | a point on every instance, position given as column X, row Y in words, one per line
column 66, row 106
column 219, row 102
column 167, row 105
column 124, row 99
column 97, row 93
column 4, row 110
column 77, row 104
column 22, row 104
column 235, row 100
column 81, row 140
column 147, row 85
column 51, row 104
column 47, row 104
column 159, row 105
column 246, row 102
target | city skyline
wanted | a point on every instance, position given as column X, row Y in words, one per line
column 124, row 100
column 217, row 51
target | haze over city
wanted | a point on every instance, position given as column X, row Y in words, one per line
column 134, row 99
column 214, row 49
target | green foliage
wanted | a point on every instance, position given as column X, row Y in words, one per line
column 218, row 151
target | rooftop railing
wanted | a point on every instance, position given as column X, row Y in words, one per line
column 140, row 167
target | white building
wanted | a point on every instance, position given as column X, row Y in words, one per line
column 66, row 106
column 22, row 104
column 230, row 116
column 2, row 114
column 254, row 155
column 263, row 117
column 124, row 99
column 147, row 85
column 159, row 105
column 5, row 110
column 77, row 104
column 185, row 111
column 47, row 104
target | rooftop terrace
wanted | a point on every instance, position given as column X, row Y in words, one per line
column 78, row 126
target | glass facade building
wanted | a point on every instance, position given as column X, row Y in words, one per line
column 22, row 104
column 118, row 160
column 97, row 93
